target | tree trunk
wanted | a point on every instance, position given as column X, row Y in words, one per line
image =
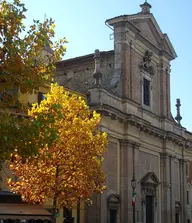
column 53, row 217
column 54, row 208
column 78, row 210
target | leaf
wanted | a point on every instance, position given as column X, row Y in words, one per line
column 5, row 138
column 21, row 50
column 69, row 161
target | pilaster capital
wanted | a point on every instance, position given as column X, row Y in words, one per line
column 130, row 143
column 163, row 67
column 165, row 155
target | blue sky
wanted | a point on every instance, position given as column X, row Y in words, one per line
column 83, row 23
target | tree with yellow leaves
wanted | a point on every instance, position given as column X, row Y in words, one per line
column 71, row 166
column 27, row 61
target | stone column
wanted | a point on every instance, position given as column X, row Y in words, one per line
column 165, row 188
column 138, row 207
column 185, row 192
column 124, row 180
column 163, row 90
column 173, row 190
column 127, row 169
column 123, row 58
column 183, row 186
column 168, row 92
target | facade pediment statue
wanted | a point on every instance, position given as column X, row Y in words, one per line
column 146, row 64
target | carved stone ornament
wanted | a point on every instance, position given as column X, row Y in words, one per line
column 146, row 63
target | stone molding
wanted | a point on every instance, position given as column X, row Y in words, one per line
column 142, row 125
column 164, row 155
column 126, row 142
column 109, row 105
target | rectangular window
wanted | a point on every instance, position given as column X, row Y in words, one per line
column 146, row 92
column 40, row 96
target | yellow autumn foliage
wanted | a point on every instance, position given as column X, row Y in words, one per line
column 71, row 166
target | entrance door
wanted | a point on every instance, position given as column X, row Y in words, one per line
column 149, row 209
column 113, row 216
column 177, row 218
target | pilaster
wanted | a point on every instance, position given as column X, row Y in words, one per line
column 173, row 172
column 165, row 188
column 164, row 90
column 183, row 189
column 119, row 48
column 127, row 169
column 124, row 179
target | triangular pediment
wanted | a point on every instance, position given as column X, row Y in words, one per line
column 150, row 29
column 150, row 178
column 147, row 30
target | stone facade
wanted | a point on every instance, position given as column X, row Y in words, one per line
column 130, row 87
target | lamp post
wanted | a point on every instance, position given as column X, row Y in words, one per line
column 133, row 185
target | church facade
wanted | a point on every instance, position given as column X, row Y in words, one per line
column 149, row 151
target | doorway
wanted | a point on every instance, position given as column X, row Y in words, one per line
column 113, row 216
column 149, row 209
column 176, row 217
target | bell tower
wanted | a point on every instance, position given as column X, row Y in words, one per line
column 142, row 60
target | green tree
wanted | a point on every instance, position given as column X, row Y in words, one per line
column 27, row 61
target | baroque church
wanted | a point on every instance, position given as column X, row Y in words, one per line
column 148, row 164
column 148, row 159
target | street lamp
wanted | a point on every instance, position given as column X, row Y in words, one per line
column 133, row 185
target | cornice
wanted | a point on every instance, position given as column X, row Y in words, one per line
column 165, row 155
column 141, row 124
